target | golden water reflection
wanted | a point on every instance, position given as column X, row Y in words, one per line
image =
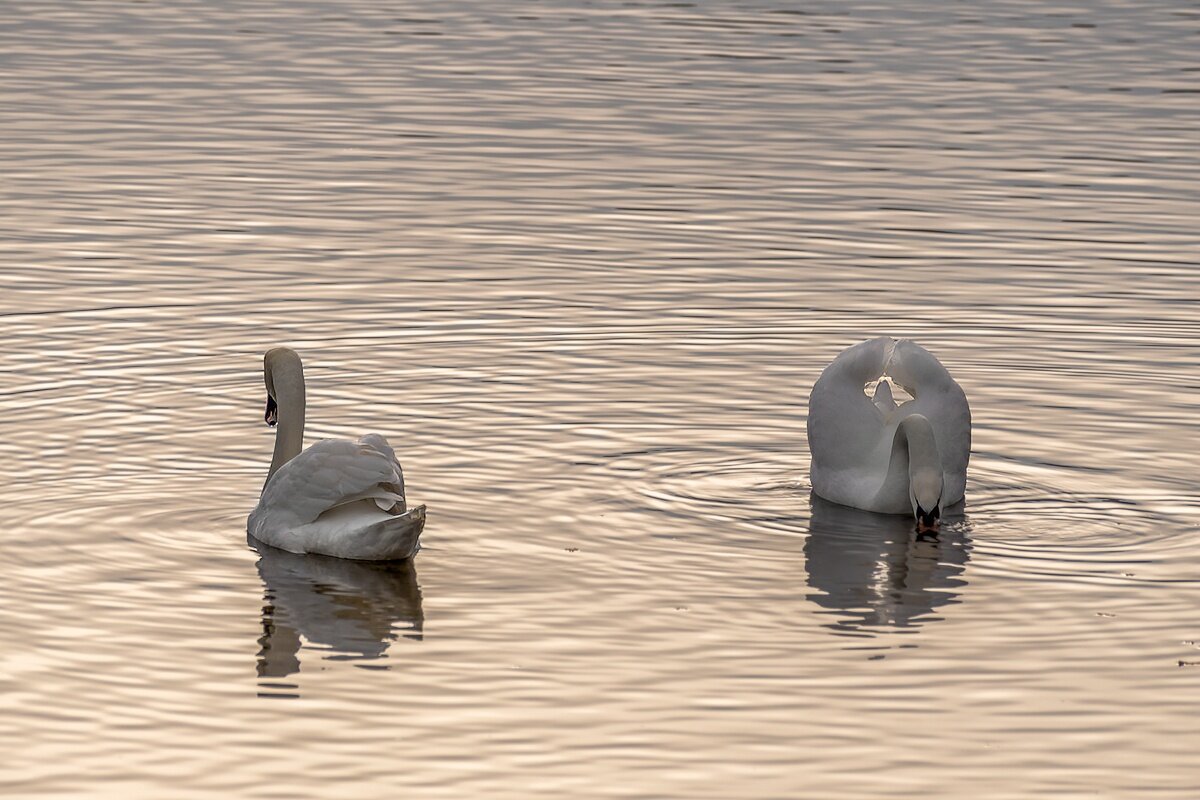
column 333, row 608
column 873, row 570
column 581, row 264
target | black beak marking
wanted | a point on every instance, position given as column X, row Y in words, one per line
column 272, row 414
column 928, row 518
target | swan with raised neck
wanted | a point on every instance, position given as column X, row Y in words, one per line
column 337, row 497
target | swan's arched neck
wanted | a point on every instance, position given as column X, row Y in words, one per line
column 284, row 376
column 915, row 443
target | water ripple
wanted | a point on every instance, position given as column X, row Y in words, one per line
column 581, row 263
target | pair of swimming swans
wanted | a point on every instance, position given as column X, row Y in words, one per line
column 346, row 499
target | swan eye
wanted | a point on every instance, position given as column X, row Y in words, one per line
column 272, row 414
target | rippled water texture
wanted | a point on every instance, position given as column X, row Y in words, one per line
column 581, row 264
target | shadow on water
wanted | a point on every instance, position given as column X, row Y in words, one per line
column 347, row 610
column 873, row 571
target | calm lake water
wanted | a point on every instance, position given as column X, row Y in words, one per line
column 581, row 264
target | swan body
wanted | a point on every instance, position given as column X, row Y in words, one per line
column 877, row 455
column 336, row 498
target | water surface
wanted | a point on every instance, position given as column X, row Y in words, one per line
column 581, row 264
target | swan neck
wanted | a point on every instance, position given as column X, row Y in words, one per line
column 287, row 382
column 923, row 455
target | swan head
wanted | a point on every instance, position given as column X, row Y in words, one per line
column 925, row 494
column 280, row 365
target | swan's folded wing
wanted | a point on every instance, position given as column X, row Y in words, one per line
column 844, row 425
column 331, row 473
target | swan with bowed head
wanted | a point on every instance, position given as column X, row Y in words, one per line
column 337, row 498
column 877, row 455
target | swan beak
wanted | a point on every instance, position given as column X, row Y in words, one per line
column 928, row 521
column 272, row 414
column 928, row 527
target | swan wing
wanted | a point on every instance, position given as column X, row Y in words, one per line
column 845, row 427
column 331, row 473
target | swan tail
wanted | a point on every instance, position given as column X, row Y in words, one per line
column 396, row 538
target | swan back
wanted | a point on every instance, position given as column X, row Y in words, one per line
column 330, row 473
column 883, row 398
column 338, row 498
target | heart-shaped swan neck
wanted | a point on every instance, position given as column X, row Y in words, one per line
column 284, row 375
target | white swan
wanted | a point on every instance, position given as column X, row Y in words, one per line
column 337, row 498
column 873, row 454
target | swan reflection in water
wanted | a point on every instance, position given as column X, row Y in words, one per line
column 344, row 610
column 876, row 571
